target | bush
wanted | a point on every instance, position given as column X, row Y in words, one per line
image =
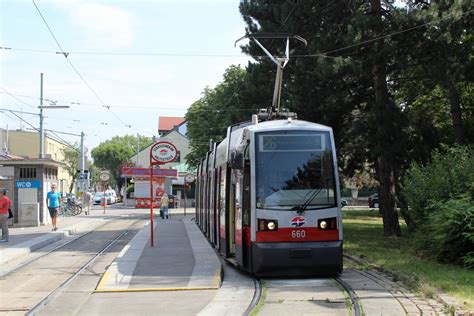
column 440, row 196
column 448, row 234
column 130, row 189
column 450, row 174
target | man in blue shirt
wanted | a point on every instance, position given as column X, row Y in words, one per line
column 53, row 200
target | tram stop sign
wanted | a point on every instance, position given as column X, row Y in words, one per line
column 163, row 152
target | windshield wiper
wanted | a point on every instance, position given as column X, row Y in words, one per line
column 301, row 208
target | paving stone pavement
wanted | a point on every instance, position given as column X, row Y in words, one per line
column 411, row 303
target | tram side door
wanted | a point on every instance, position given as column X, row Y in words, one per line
column 231, row 220
column 238, row 207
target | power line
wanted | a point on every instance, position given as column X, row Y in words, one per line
column 74, row 68
column 14, row 97
column 66, row 54
column 127, row 106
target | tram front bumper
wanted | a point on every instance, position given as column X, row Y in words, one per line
column 297, row 259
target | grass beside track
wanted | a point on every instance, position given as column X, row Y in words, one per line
column 363, row 237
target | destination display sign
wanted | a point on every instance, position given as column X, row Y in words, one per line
column 294, row 142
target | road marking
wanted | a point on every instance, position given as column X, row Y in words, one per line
column 104, row 278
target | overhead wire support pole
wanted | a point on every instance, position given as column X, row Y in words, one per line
column 41, row 143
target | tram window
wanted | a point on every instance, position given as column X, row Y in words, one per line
column 295, row 169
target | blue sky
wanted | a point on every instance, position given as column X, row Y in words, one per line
column 193, row 43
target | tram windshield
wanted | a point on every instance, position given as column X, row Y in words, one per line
column 294, row 170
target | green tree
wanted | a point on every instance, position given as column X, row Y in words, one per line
column 114, row 153
column 209, row 117
column 71, row 158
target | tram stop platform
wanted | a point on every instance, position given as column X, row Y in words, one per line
column 181, row 259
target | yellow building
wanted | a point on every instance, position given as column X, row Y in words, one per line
column 26, row 144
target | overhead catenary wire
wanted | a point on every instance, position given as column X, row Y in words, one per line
column 66, row 55
column 58, row 138
column 126, row 106
column 322, row 54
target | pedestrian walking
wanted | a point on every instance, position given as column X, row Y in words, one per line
column 87, row 202
column 5, row 204
column 164, row 205
column 53, row 200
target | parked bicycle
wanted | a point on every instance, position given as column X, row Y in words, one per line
column 70, row 207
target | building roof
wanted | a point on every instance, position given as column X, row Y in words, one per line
column 167, row 123
column 8, row 157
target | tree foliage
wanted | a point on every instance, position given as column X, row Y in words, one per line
column 71, row 158
column 114, row 153
column 393, row 82
column 209, row 117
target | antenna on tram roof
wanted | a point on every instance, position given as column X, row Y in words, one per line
column 267, row 114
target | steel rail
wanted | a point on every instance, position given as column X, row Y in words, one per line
column 28, row 261
column 38, row 307
column 257, row 294
column 353, row 297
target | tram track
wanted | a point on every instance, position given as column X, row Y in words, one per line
column 356, row 310
column 256, row 297
column 109, row 228
column 260, row 299
column 61, row 244
column 51, row 296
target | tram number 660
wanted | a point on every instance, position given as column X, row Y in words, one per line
column 298, row 234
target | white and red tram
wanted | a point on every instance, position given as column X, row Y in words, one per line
column 268, row 198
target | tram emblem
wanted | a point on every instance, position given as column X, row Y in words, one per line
column 297, row 221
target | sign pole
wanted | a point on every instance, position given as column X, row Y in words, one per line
column 161, row 153
column 185, row 198
column 152, row 244
column 105, row 199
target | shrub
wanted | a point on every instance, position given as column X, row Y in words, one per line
column 448, row 234
column 450, row 174
column 440, row 196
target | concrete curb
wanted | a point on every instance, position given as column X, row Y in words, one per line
column 27, row 247
column 207, row 262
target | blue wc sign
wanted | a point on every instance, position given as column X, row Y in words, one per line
column 31, row 184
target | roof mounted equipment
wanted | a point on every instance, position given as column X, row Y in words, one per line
column 281, row 62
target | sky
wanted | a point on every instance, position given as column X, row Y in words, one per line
column 128, row 62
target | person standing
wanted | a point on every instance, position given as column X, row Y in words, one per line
column 53, row 200
column 5, row 204
column 164, row 205
column 87, row 202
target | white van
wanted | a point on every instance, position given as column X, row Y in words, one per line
column 112, row 195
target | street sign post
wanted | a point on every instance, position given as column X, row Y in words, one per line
column 161, row 153
column 188, row 178
column 104, row 176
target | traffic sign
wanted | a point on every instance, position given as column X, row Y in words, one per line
column 189, row 177
column 104, row 176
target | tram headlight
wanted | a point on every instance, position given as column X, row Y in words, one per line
column 271, row 225
column 327, row 223
column 267, row 224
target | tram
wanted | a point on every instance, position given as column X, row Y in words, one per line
column 268, row 198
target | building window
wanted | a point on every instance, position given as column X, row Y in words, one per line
column 27, row 173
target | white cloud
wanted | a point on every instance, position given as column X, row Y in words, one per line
column 106, row 25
